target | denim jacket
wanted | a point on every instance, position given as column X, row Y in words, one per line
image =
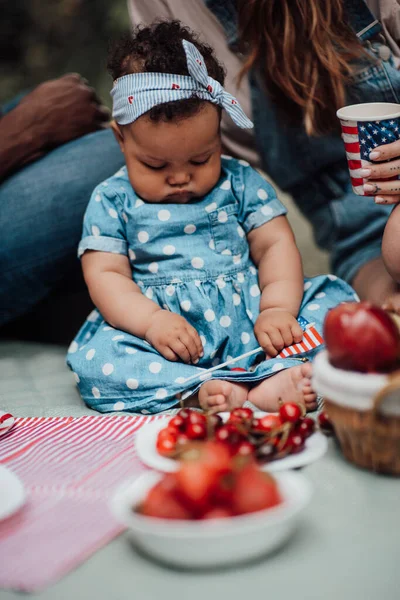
column 314, row 169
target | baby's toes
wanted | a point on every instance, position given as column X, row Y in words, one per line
column 217, row 400
column 310, row 400
column 217, row 404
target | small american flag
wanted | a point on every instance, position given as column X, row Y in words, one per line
column 311, row 339
column 362, row 137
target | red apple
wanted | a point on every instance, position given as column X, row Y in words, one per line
column 361, row 337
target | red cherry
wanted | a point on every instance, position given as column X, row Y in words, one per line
column 290, row 412
column 177, row 423
column 229, row 434
column 306, row 427
column 294, row 443
column 166, row 433
column 166, row 445
column 324, row 422
column 266, row 450
column 182, row 439
column 267, row 424
column 184, row 413
column 197, row 417
column 245, row 448
column 243, row 413
column 361, row 337
column 196, row 431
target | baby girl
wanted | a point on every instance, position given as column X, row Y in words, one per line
column 187, row 254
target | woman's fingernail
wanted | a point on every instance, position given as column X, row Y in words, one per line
column 374, row 155
column 196, row 361
column 380, row 200
column 369, row 188
column 201, row 354
column 365, row 172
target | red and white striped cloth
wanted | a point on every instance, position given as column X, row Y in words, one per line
column 70, row 467
column 311, row 339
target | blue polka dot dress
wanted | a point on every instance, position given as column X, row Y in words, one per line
column 192, row 259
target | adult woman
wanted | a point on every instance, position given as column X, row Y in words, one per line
column 300, row 61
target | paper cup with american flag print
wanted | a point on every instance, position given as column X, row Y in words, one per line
column 364, row 128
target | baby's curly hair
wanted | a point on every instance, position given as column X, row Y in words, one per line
column 158, row 49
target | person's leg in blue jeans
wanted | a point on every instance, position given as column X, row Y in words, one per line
column 41, row 212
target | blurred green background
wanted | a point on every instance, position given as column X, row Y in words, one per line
column 44, row 39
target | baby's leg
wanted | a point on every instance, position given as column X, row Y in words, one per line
column 218, row 395
column 290, row 385
column 391, row 245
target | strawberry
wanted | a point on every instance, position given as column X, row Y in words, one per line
column 197, row 476
column 161, row 501
column 254, row 490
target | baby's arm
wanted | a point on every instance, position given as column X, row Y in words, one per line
column 122, row 304
column 274, row 251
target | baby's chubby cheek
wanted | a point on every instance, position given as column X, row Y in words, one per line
column 148, row 187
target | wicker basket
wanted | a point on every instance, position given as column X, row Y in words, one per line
column 365, row 412
column 369, row 439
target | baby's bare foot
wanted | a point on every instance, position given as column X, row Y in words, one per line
column 218, row 396
column 291, row 385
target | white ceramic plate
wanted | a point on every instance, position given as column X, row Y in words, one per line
column 217, row 541
column 12, row 493
column 6, row 422
column 315, row 447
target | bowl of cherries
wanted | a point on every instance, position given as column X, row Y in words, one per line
column 277, row 441
column 216, row 509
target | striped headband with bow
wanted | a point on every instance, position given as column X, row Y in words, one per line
column 135, row 94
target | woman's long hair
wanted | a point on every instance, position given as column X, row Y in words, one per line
column 304, row 50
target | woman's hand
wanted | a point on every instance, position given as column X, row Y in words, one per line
column 173, row 337
column 385, row 192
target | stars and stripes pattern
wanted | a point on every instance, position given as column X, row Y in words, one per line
column 362, row 137
column 311, row 339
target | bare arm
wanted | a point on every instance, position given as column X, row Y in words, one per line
column 274, row 251
column 122, row 304
column 19, row 144
column 280, row 272
column 54, row 113
column 118, row 298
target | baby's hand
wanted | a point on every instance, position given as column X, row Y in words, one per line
column 276, row 329
column 174, row 337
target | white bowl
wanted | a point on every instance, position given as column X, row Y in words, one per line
column 351, row 389
column 217, row 541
